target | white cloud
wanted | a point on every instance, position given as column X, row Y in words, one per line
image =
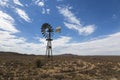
column 48, row 11
column 87, row 29
column 108, row 45
column 23, row 14
column 41, row 4
column 4, row 3
column 73, row 23
column 7, row 23
column 9, row 42
column 8, row 3
column 43, row 11
column 69, row 16
column 18, row 2
column 8, row 39
column 62, row 41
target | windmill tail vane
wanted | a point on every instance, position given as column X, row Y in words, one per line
column 58, row 29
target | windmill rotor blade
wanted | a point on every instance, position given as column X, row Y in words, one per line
column 44, row 35
column 46, row 29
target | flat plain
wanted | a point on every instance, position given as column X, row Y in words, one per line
column 14, row 66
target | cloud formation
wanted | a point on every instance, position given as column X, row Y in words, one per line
column 72, row 22
column 41, row 4
column 7, row 23
column 23, row 14
column 108, row 45
column 17, row 2
column 4, row 3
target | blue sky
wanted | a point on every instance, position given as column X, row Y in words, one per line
column 89, row 27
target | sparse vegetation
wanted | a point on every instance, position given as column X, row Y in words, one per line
column 68, row 67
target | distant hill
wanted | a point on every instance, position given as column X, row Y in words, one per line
column 67, row 55
column 11, row 54
column 2, row 53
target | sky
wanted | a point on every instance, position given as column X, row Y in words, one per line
column 88, row 27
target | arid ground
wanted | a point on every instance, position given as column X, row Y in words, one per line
column 14, row 66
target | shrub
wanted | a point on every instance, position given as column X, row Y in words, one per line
column 39, row 62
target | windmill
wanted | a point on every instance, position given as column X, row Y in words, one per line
column 47, row 32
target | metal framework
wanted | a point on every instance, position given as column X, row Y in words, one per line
column 47, row 32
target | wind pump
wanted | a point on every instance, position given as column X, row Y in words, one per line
column 47, row 32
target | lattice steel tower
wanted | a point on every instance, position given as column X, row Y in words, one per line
column 47, row 32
